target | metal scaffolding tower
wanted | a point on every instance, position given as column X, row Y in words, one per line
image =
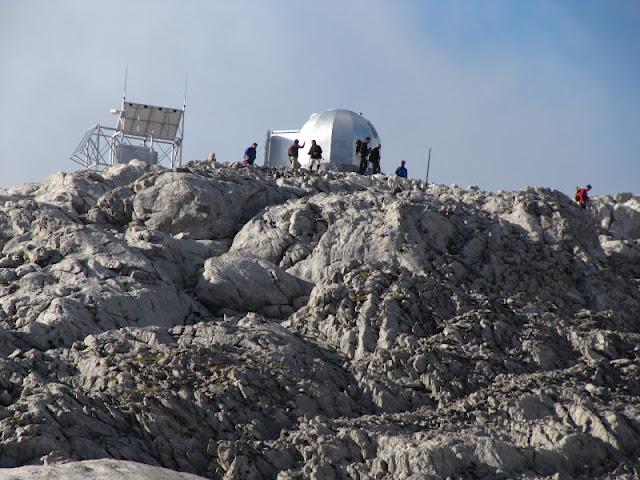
column 146, row 132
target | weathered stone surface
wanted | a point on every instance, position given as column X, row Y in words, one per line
column 95, row 470
column 247, row 284
column 191, row 206
column 245, row 323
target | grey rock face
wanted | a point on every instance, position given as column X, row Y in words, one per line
column 96, row 470
column 190, row 206
column 242, row 323
column 247, row 284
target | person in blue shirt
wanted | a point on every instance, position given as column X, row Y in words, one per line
column 250, row 154
column 401, row 171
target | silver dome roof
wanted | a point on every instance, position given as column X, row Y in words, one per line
column 336, row 131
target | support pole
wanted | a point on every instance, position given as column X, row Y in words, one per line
column 428, row 165
column 184, row 111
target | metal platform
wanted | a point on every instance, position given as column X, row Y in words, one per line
column 146, row 132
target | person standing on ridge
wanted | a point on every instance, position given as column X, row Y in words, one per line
column 374, row 158
column 582, row 196
column 401, row 171
column 315, row 155
column 362, row 151
column 250, row 154
column 293, row 154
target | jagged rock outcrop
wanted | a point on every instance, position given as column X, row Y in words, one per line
column 96, row 470
column 243, row 323
column 245, row 283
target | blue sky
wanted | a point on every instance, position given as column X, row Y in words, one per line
column 506, row 93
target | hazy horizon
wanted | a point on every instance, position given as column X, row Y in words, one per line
column 506, row 94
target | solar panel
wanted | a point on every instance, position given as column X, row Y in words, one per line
column 149, row 121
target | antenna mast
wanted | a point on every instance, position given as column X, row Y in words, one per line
column 124, row 94
column 184, row 109
column 428, row 165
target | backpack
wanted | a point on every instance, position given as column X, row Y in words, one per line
column 358, row 145
column 577, row 197
column 292, row 151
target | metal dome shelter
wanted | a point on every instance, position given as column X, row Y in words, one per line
column 336, row 131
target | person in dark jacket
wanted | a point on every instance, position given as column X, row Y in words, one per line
column 374, row 158
column 315, row 155
column 293, row 154
column 401, row 171
column 363, row 155
column 250, row 154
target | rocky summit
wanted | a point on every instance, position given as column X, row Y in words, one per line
column 245, row 323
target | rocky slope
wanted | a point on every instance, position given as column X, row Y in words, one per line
column 241, row 323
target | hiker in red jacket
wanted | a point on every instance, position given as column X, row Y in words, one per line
column 582, row 196
column 293, row 154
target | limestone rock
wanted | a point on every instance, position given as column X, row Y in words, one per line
column 96, row 470
column 247, row 284
column 195, row 208
column 234, row 322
